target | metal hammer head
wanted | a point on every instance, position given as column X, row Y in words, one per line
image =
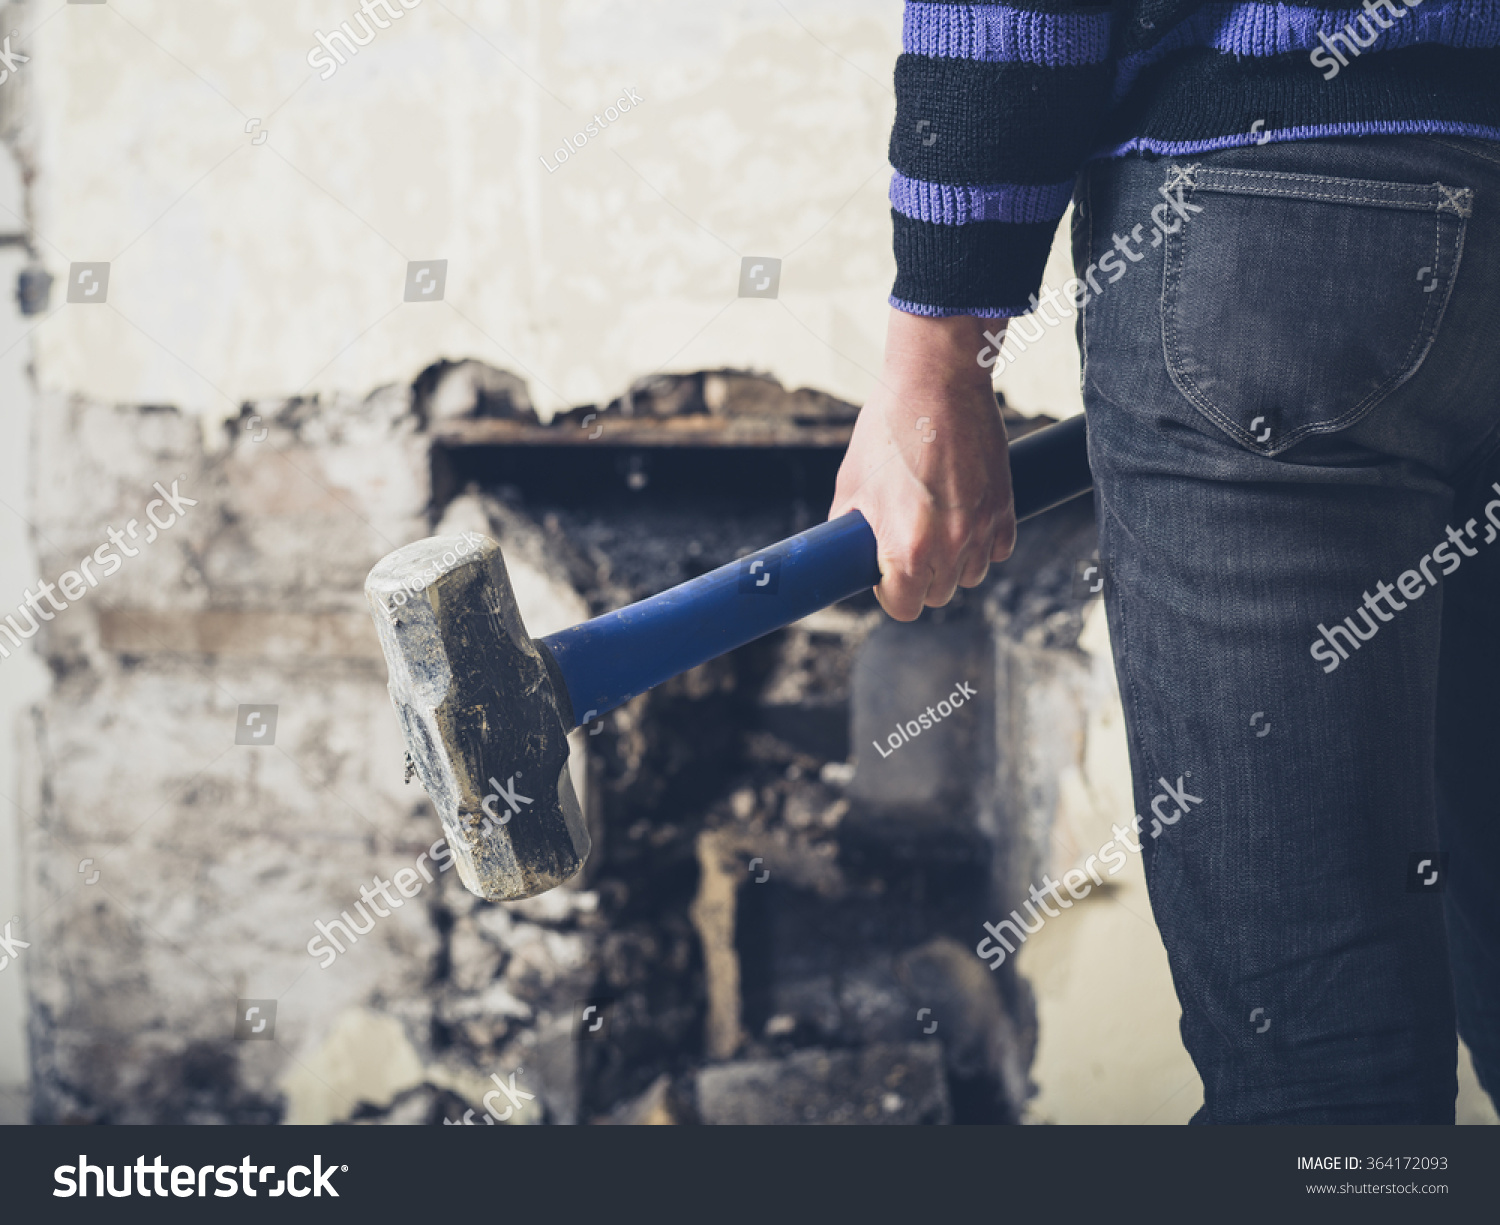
column 485, row 717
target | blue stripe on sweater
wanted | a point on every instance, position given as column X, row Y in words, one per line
column 943, row 204
column 947, row 312
column 996, row 33
column 1322, row 131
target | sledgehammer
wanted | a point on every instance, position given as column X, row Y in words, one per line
column 486, row 709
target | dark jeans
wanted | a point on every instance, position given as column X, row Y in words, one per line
column 1290, row 400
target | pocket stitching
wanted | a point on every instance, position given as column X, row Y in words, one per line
column 1458, row 200
column 1426, row 334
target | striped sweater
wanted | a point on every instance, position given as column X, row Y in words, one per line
column 998, row 106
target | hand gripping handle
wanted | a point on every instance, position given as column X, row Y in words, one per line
column 605, row 662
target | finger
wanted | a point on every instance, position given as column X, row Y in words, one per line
column 973, row 565
column 951, row 549
column 939, row 592
column 945, row 580
column 1005, row 538
column 901, row 593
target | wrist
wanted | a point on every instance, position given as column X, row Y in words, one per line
column 939, row 353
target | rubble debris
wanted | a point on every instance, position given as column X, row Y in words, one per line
column 895, row 1084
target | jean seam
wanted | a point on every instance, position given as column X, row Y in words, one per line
column 1422, row 341
column 1483, row 155
column 1462, row 205
column 1124, row 653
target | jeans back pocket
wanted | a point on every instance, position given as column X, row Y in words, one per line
column 1292, row 304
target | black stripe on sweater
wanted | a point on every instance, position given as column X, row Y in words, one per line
column 1146, row 22
column 969, row 267
column 994, row 123
column 1198, row 94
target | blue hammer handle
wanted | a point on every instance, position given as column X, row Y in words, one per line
column 605, row 662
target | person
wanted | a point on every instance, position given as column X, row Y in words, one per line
column 1287, row 302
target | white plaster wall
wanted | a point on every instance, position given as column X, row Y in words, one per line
column 240, row 270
